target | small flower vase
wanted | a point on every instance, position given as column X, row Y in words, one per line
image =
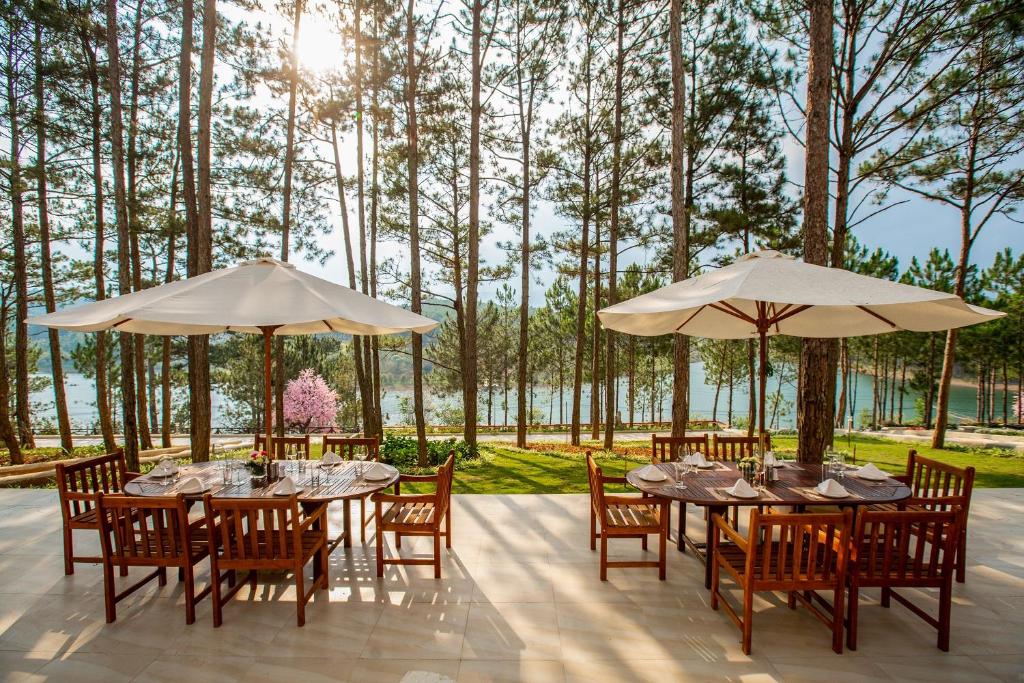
column 257, row 467
column 748, row 468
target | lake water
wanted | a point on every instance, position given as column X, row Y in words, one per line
column 81, row 403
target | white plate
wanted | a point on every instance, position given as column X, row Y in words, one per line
column 654, row 476
column 706, row 466
column 736, row 495
column 380, row 477
column 298, row 489
column 866, row 478
column 206, row 487
column 829, row 495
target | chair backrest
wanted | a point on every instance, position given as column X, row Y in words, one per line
column 811, row 551
column 906, row 545
column 347, row 446
column 138, row 531
column 595, row 481
column 444, row 487
column 929, row 478
column 668, row 448
column 283, row 445
column 735, row 448
column 102, row 474
column 254, row 533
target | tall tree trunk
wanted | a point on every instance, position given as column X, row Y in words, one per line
column 7, row 434
column 374, row 208
column 903, row 387
column 21, row 379
column 165, row 355
column 581, row 297
column 42, row 203
column 412, row 140
column 201, row 241
column 631, row 379
column 680, row 218
column 286, row 202
column 139, row 343
column 613, row 228
column 99, row 257
column 524, row 306
column 844, row 380
column 470, row 351
column 816, row 390
column 595, row 353
column 124, row 281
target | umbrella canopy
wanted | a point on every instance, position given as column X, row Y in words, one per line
column 248, row 297
column 768, row 293
column 264, row 296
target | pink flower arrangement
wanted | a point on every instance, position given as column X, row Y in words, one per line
column 310, row 403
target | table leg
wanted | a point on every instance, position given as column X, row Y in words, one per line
column 346, row 516
column 681, row 540
column 709, row 543
column 319, row 525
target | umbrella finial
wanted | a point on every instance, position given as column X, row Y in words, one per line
column 765, row 253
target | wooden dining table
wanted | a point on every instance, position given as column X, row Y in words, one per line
column 796, row 486
column 339, row 482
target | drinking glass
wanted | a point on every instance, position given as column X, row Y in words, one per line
column 360, row 457
column 683, row 468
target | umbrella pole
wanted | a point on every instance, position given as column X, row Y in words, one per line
column 762, row 372
column 268, row 335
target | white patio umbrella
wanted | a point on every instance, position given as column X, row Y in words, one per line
column 767, row 293
column 264, row 296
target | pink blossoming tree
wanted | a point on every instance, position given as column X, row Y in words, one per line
column 310, row 403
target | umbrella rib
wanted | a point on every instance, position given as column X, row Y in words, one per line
column 882, row 318
column 788, row 312
column 729, row 309
column 687, row 321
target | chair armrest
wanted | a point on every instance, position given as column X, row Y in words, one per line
column 730, row 533
column 417, row 477
column 309, row 519
column 79, row 495
column 925, row 501
column 403, row 498
column 613, row 480
column 629, row 500
column 902, row 478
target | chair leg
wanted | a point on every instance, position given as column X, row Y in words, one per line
column 961, row 559
column 593, row 529
column 324, row 564
column 380, row 541
column 398, row 541
column 190, row 594
column 161, row 577
column 714, row 582
column 437, row 553
column 643, row 541
column 886, row 597
column 851, row 622
column 681, row 539
column 604, row 557
column 945, row 606
column 748, row 618
column 362, row 520
column 791, row 600
column 109, row 598
column 69, row 552
column 662, row 543
column 215, row 591
column 838, row 609
column 300, row 597
column 448, row 528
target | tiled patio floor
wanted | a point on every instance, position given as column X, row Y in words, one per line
column 520, row 600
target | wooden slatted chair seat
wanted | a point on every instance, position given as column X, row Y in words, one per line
column 632, row 516
column 85, row 520
column 416, row 515
column 275, row 553
column 779, row 562
column 410, row 514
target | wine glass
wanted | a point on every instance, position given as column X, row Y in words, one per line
column 683, row 468
column 360, row 455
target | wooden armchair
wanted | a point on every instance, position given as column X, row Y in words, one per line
column 78, row 485
column 416, row 515
column 669, row 448
column 796, row 553
column 624, row 517
column 265, row 533
column 734, row 448
column 151, row 532
column 283, row 445
column 904, row 549
column 940, row 486
column 346, row 448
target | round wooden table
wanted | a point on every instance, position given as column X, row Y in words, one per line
column 795, row 486
column 337, row 482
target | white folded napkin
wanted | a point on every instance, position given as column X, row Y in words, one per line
column 741, row 489
column 376, row 471
column 652, row 473
column 191, row 485
column 285, row 487
column 331, row 459
column 696, row 459
column 869, row 471
column 832, row 489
